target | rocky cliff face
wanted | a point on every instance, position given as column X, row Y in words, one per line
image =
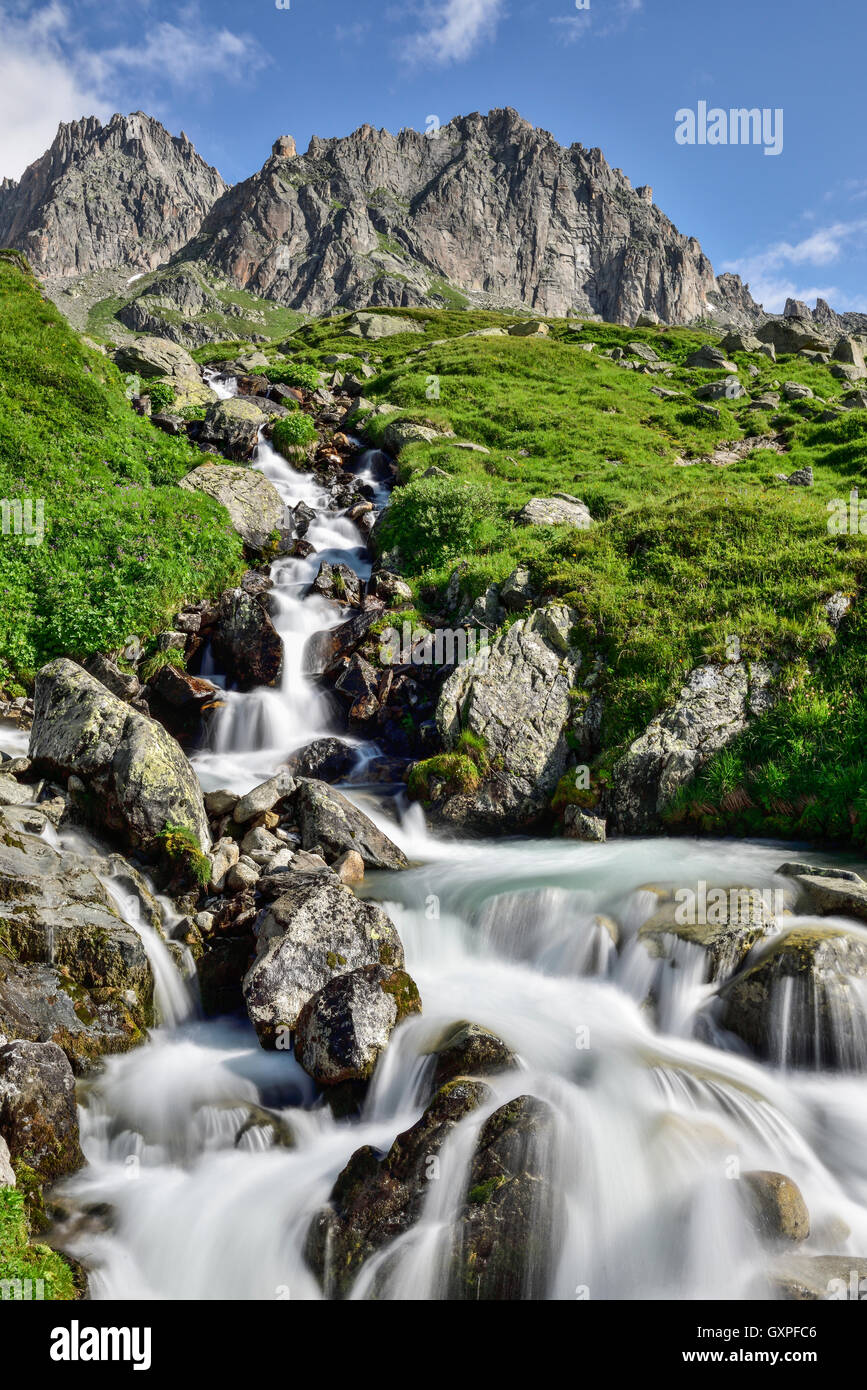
column 490, row 207
column 123, row 194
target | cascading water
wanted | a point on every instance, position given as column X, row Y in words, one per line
column 187, row 1137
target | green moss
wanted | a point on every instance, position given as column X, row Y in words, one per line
column 484, row 1191
column 27, row 1270
column 458, row 773
column 181, row 847
column 294, row 431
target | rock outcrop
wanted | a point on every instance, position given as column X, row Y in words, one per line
column 254, row 505
column 714, row 706
column 123, row 194
column 491, row 206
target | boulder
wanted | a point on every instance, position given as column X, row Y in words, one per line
column 38, row 1113
column 327, row 818
column 124, row 684
column 263, row 798
column 337, row 582
column 804, row 1001
column 582, row 825
column 136, row 775
column 730, row 389
column 325, row 760
column 509, row 1232
column 316, row 930
column 712, row 358
column 776, row 1209
column 517, row 591
column 376, row 1199
column 466, row 1049
column 182, row 691
column 343, row 1029
column 325, row 652
column 374, row 326
column 151, row 357
column 534, row 328
column 246, row 641
column 400, row 433
column 714, row 706
column 838, row 896
column 792, row 335
column 254, row 505
column 734, row 919
column 560, row 510
column 520, row 705
column 741, row 342
column 232, row 427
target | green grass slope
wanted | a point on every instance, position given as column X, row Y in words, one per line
column 123, row 547
column 682, row 556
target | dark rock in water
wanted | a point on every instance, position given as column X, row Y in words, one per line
column 326, row 760
column 469, row 1050
column 38, row 1112
column 315, row 931
column 508, row 1237
column 232, row 427
column 804, row 1001
column 343, row 1029
column 337, row 582
column 181, row 690
column 327, row 818
column 136, row 776
column 325, row 652
column 776, row 1208
column 359, row 684
column 303, row 517
column 376, row 1199
column 246, row 641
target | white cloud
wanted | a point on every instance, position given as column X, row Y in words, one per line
column 614, row 18
column 39, row 86
column 453, row 30
column 47, row 76
column 760, row 269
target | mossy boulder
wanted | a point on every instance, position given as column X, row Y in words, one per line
column 252, row 501
column 232, row 427
column 38, row 1111
column 804, row 1001
column 137, row 777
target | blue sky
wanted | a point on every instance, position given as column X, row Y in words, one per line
column 612, row 74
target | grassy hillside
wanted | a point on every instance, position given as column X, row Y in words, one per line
column 122, row 546
column 682, row 556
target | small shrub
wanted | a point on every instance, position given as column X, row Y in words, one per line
column 158, row 660
column 432, row 519
column 299, row 374
column 161, row 395
column 294, row 431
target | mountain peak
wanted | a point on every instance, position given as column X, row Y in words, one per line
column 123, row 193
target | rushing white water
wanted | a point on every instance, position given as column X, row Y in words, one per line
column 656, row 1112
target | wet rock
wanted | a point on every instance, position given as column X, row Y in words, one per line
column 581, row 825
column 327, row 818
column 375, row 1199
column 264, row 798
column 467, row 1049
column 337, row 582
column 182, row 691
column 135, row 773
column 776, row 1208
column 819, row 1278
column 254, row 505
column 804, row 1000
column 326, row 652
column 326, row 760
column 510, row 1229
column 560, row 510
column 359, row 684
column 343, row 1029
column 38, row 1113
column 714, row 706
column 732, row 921
column 843, row 896
column 316, row 930
column 246, row 642
column 232, row 427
